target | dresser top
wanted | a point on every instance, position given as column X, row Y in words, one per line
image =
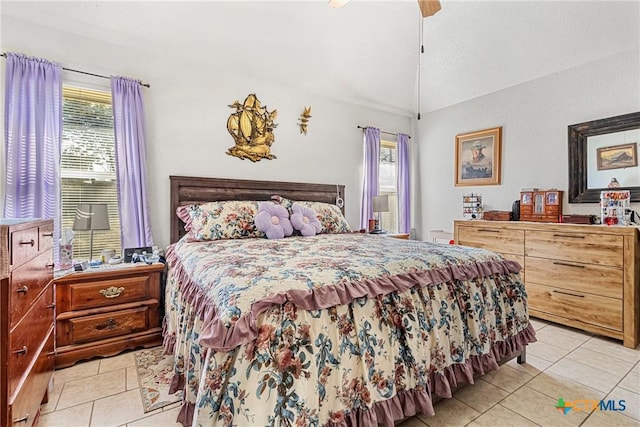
column 14, row 221
column 627, row 230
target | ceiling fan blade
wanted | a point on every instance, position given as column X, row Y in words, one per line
column 428, row 7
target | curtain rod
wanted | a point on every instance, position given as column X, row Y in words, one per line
column 382, row 131
column 3, row 54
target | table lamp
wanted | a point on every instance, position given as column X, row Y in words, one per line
column 380, row 204
column 90, row 217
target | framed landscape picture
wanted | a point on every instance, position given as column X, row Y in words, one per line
column 617, row 156
column 478, row 157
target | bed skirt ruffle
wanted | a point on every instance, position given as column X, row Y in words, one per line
column 408, row 403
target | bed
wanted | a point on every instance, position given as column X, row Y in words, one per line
column 339, row 328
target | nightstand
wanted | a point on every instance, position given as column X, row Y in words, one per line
column 403, row 236
column 103, row 311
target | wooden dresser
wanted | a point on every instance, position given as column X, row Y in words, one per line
column 26, row 319
column 584, row 276
column 102, row 312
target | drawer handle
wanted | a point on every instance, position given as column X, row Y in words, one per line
column 111, row 292
column 571, row 236
column 23, row 290
column 21, row 352
column 488, row 230
column 568, row 293
column 47, row 234
column 110, row 324
column 21, row 420
column 566, row 264
column 30, row 242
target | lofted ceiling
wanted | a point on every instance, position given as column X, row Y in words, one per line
column 367, row 51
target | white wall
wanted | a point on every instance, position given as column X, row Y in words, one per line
column 534, row 117
column 187, row 110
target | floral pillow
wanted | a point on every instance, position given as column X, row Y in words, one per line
column 232, row 219
column 330, row 216
column 273, row 220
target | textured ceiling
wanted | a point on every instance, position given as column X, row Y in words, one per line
column 367, row 51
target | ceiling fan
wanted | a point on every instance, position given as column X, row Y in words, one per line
column 427, row 7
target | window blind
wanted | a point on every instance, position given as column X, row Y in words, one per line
column 388, row 184
column 88, row 165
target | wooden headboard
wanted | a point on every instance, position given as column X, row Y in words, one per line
column 187, row 190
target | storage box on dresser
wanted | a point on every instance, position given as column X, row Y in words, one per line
column 584, row 276
column 26, row 319
column 102, row 312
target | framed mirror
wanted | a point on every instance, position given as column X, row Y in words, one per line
column 601, row 150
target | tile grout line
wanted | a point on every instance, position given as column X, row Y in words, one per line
column 510, row 393
column 91, row 413
column 507, row 391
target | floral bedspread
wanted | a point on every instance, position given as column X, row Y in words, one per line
column 347, row 329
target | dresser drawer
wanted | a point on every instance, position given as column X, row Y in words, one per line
column 574, row 276
column 101, row 326
column 27, row 281
column 24, row 245
column 602, row 249
column 102, row 293
column 26, row 403
column 45, row 237
column 591, row 309
column 26, row 337
column 493, row 238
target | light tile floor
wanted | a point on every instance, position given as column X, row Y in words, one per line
column 565, row 363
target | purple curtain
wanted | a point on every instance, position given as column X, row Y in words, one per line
column 371, row 168
column 404, row 194
column 33, row 139
column 131, row 162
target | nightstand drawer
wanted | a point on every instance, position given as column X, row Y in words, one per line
column 102, row 293
column 101, row 326
column 27, row 282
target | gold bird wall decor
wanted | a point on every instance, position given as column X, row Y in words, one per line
column 251, row 127
column 304, row 119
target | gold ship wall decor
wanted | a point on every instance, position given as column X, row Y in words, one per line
column 304, row 119
column 251, row 127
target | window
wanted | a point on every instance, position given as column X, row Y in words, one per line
column 88, row 166
column 388, row 183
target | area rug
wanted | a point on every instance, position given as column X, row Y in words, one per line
column 154, row 370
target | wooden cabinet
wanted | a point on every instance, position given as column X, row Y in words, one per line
column 104, row 311
column 541, row 205
column 26, row 319
column 585, row 276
